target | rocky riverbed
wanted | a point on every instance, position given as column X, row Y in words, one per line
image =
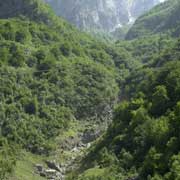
column 76, row 147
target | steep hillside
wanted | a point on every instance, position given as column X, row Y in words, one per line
column 143, row 140
column 142, row 143
column 59, row 88
column 165, row 18
column 51, row 75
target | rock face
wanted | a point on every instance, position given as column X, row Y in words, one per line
column 53, row 170
column 103, row 15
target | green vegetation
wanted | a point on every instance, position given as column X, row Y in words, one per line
column 52, row 75
column 25, row 167
column 164, row 18
column 143, row 140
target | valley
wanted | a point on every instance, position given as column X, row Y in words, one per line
column 74, row 106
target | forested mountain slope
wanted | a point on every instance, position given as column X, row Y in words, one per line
column 50, row 74
column 164, row 18
column 143, row 140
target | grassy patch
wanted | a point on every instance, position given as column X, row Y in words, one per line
column 93, row 172
column 25, row 167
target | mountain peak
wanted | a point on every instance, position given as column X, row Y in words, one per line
column 101, row 15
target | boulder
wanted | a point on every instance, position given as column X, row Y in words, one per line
column 53, row 165
column 39, row 167
column 50, row 172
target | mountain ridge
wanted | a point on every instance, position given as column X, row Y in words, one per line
column 103, row 15
column 162, row 19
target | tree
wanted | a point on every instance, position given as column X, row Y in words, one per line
column 7, row 158
column 65, row 49
column 159, row 100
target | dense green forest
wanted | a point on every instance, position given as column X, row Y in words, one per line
column 52, row 74
column 143, row 141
